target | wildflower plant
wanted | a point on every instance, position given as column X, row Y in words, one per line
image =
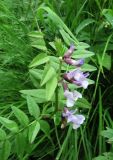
column 76, row 77
column 56, row 75
column 54, row 84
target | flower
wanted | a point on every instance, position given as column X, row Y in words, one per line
column 76, row 119
column 73, row 62
column 77, row 77
column 69, row 51
column 71, row 97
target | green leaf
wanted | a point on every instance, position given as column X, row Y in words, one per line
column 48, row 74
column 9, row 124
column 108, row 133
column 105, row 156
column 37, row 39
column 66, row 37
column 50, row 87
column 88, row 67
column 33, row 131
column 2, row 134
column 36, row 73
column 39, row 59
column 36, row 93
column 82, row 45
column 44, row 126
column 83, row 103
column 90, row 81
column 100, row 158
column 83, row 24
column 108, row 13
column 57, row 118
column 82, row 53
column 33, row 107
column 106, row 62
column 21, row 116
column 41, row 46
column 6, row 148
column 20, row 144
column 36, row 34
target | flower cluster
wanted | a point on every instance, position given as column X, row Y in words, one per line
column 78, row 78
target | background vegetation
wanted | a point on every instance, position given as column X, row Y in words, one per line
column 31, row 27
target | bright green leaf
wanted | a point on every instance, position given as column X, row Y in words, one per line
column 83, row 103
column 39, row 59
column 50, row 87
column 108, row 13
column 36, row 93
column 57, row 118
column 33, row 131
column 47, row 75
column 9, row 124
column 82, row 53
column 33, row 107
column 88, row 67
column 21, row 116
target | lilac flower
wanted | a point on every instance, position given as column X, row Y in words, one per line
column 77, row 77
column 73, row 62
column 76, row 119
column 69, row 51
column 71, row 97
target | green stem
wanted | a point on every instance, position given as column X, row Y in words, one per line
column 57, row 88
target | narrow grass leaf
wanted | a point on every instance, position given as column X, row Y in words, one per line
column 83, row 24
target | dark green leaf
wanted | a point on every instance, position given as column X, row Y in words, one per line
column 5, row 152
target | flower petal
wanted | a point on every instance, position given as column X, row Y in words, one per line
column 70, row 102
column 84, row 84
column 80, row 119
column 75, row 126
column 77, row 95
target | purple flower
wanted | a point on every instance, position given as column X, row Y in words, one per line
column 73, row 62
column 69, row 51
column 77, row 77
column 71, row 97
column 76, row 119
